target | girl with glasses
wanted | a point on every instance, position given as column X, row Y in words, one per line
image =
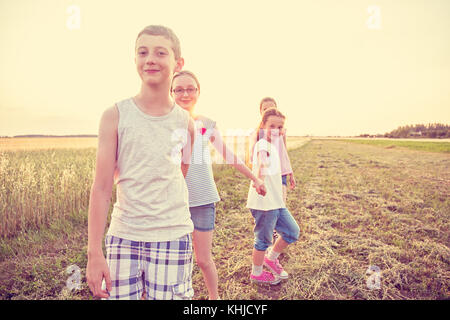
column 200, row 180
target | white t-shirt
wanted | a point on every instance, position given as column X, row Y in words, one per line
column 272, row 172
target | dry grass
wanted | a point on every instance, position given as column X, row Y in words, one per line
column 41, row 186
column 357, row 206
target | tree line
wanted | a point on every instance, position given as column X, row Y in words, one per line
column 431, row 130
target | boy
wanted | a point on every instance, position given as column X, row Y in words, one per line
column 148, row 243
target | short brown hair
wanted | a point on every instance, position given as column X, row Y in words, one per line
column 157, row 30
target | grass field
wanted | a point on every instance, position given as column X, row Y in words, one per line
column 432, row 146
column 15, row 144
column 357, row 206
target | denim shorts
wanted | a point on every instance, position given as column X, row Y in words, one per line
column 284, row 179
column 279, row 219
column 203, row 217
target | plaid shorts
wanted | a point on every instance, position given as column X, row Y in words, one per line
column 162, row 269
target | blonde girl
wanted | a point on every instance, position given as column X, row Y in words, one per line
column 270, row 212
column 286, row 168
column 200, row 181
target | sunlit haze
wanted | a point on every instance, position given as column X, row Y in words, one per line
column 334, row 67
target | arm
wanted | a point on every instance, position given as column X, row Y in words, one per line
column 186, row 152
column 262, row 164
column 291, row 175
column 217, row 142
column 283, row 133
column 99, row 201
column 292, row 182
column 251, row 143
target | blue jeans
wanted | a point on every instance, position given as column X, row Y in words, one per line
column 203, row 216
column 284, row 179
column 279, row 219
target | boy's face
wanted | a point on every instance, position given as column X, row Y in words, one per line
column 155, row 59
column 267, row 105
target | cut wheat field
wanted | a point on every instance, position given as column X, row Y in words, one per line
column 357, row 205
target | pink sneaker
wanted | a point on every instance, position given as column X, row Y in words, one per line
column 264, row 277
column 276, row 268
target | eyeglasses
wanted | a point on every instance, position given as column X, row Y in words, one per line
column 181, row 91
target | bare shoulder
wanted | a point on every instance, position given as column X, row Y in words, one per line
column 107, row 132
column 111, row 114
column 109, row 119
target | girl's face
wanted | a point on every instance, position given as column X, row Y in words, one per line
column 273, row 127
column 266, row 105
column 185, row 92
column 155, row 59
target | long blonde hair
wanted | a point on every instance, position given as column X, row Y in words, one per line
column 269, row 112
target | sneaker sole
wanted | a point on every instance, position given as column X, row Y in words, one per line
column 276, row 281
column 276, row 274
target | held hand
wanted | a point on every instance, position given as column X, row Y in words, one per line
column 260, row 187
column 96, row 270
column 292, row 181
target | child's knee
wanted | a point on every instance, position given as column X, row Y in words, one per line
column 261, row 244
column 204, row 263
column 292, row 235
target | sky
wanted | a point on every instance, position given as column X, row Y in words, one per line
column 335, row 68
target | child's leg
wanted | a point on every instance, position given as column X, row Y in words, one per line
column 258, row 257
column 279, row 246
column 289, row 232
column 123, row 258
column 168, row 269
column 288, row 229
column 203, row 218
column 264, row 225
column 202, row 248
column 284, row 189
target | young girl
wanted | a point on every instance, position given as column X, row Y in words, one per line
column 269, row 212
column 199, row 179
column 286, row 168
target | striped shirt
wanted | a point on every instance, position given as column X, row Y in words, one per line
column 199, row 178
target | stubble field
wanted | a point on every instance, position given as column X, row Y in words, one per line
column 358, row 206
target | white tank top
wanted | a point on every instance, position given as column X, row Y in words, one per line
column 152, row 197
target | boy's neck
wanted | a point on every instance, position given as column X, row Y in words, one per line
column 155, row 101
